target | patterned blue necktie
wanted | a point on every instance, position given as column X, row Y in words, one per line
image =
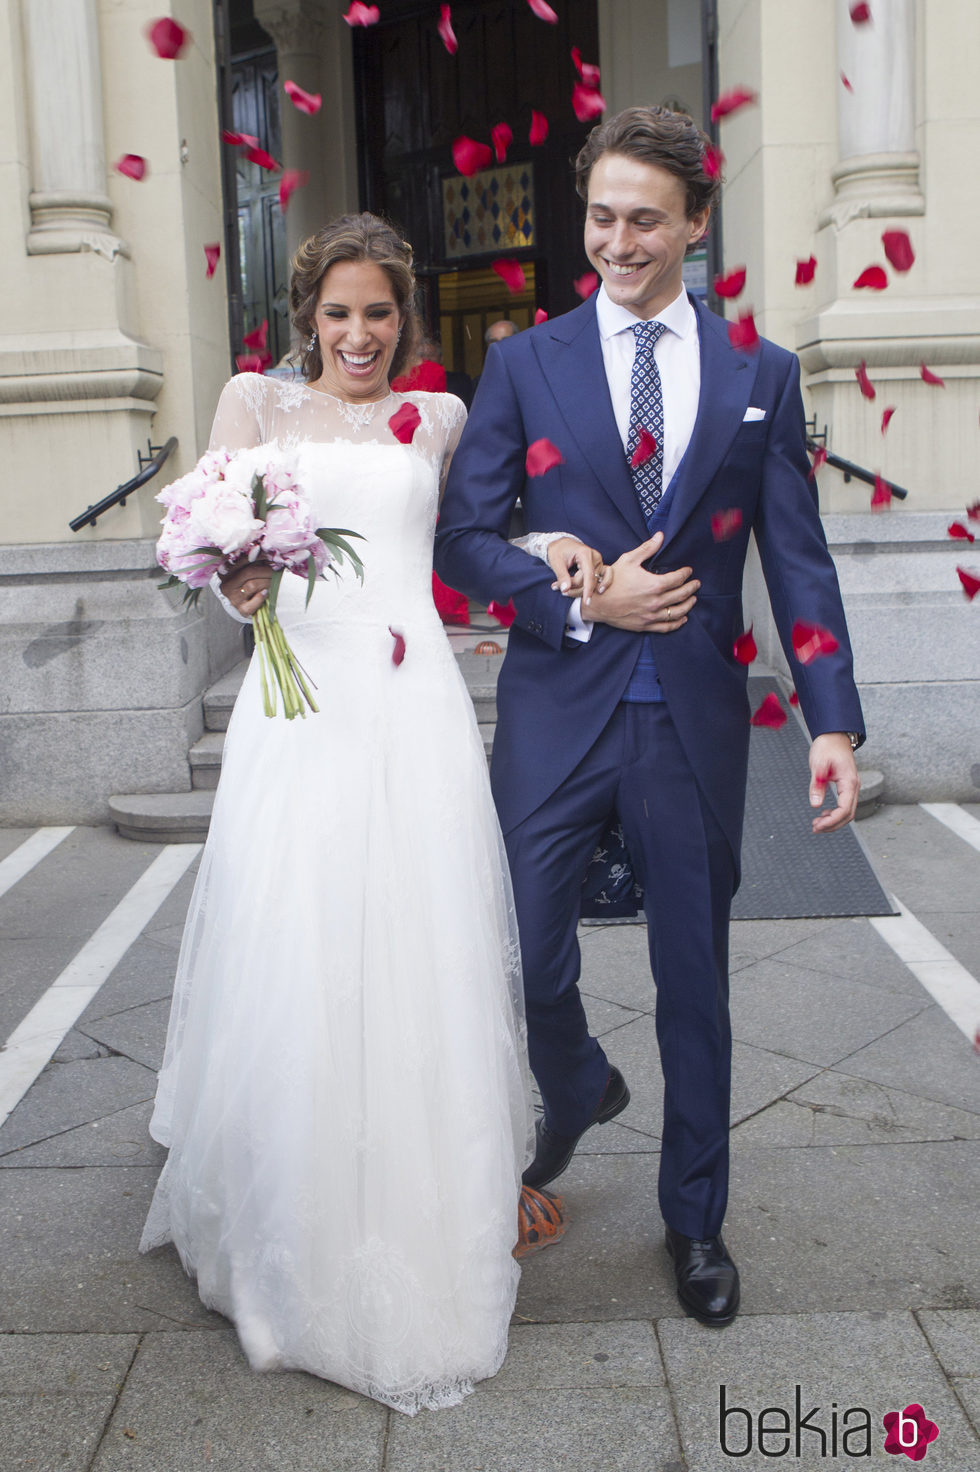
column 647, row 412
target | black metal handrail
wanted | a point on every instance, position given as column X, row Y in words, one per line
column 850, row 470
column 149, row 465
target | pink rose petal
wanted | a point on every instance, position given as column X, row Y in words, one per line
column 794, row 699
column 971, row 584
column 543, row 11
column 291, row 180
column 540, row 316
column 501, row 137
column 973, row 512
column 586, row 284
column 805, row 271
column 724, row 524
column 362, row 15
column 511, row 274
column 239, row 140
column 731, row 285
column 587, row 70
column 860, row 12
column 587, row 102
column 872, row 277
column 398, row 653
column 881, row 496
column 404, row 422
column 819, row 459
column 263, row 159
column 745, row 649
column 886, row 417
column 541, row 457
column 132, row 166
column 212, row 254
column 957, row 530
column 713, row 161
column 504, row 613
column 168, row 38
column 645, row 450
column 250, row 362
column 743, row 334
column 539, row 128
column 770, row 713
column 445, row 28
column 898, row 249
column 846, row 81
column 927, row 376
column 812, row 641
column 308, row 102
column 864, row 382
column 731, row 101
column 257, row 338
column 470, row 157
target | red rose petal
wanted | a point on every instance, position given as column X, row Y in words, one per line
column 263, row 159
column 745, row 648
column 543, row 11
column 819, row 458
column 731, row 285
column 881, row 496
column 212, row 254
column 928, row 376
column 794, row 699
column 541, row 457
column 502, row 137
column 587, row 102
column 860, row 12
column 898, row 249
column 971, row 584
column 404, row 422
column 586, row 284
column 308, row 102
column 251, row 362
column 770, row 713
column 872, row 277
column 428, row 376
column 645, row 450
column 445, row 28
column 958, row 530
column 504, row 613
column 713, row 161
column 510, row 272
column 168, row 38
column 973, row 512
column 291, row 179
column 257, row 338
column 238, row 140
column 730, row 102
column 724, row 524
column 886, row 417
column 587, row 70
column 133, row 166
column 398, row 653
column 743, row 334
column 539, row 128
column 470, row 157
column 805, row 271
column 846, row 82
column 540, row 316
column 362, row 15
column 811, row 641
column 864, row 382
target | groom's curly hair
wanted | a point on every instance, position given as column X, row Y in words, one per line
column 353, row 238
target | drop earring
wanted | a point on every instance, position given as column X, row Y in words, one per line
column 312, row 342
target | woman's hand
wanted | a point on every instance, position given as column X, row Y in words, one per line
column 247, row 587
column 578, row 568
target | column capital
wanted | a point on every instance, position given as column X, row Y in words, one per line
column 296, row 26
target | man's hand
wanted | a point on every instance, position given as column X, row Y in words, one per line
column 832, row 760
column 578, row 568
column 644, row 602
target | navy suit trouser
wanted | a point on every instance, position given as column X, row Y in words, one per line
column 685, row 864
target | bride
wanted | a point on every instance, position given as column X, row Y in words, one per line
column 344, row 1089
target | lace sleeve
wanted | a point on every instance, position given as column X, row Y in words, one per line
column 537, row 543
column 455, row 413
column 238, row 418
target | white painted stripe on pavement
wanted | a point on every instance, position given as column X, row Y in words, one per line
column 32, row 1044
column 946, row 981
column 963, row 824
column 27, row 854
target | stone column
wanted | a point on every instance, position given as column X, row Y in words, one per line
column 70, row 210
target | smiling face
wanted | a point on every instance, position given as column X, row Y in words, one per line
column 357, row 322
column 637, row 232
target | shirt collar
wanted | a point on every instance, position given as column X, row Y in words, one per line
column 678, row 315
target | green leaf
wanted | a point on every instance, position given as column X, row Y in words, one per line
column 259, row 497
column 270, row 602
column 310, row 577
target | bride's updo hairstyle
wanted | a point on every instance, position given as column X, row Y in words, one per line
column 352, row 238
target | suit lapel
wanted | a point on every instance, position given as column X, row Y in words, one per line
column 571, row 361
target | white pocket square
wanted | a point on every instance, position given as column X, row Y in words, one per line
column 753, row 414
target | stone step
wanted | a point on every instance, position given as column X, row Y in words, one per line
column 205, row 759
column 163, row 817
column 219, row 700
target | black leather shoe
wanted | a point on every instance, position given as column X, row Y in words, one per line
column 707, row 1279
column 554, row 1151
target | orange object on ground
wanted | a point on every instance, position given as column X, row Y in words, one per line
column 540, row 1221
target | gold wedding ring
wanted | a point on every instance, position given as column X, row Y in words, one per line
column 670, row 613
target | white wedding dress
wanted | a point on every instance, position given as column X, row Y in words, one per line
column 344, row 1091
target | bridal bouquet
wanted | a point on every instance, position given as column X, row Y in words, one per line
column 232, row 509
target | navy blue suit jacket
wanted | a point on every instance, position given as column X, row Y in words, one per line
column 553, row 700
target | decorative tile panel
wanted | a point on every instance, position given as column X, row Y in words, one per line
column 492, row 211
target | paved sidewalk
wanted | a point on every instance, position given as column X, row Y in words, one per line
column 853, row 1218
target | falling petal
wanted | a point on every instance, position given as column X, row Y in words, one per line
column 928, row 376
column 973, row 512
column 250, row 362
column 864, row 382
column 587, row 70
column 731, row 285
column 794, row 699
column 811, row 641
column 502, row 137
column 428, row 376
column 872, row 277
column 743, row 334
column 958, row 530
column 898, row 249
column 860, row 12
column 805, row 271
column 730, row 102
column 168, row 38
column 645, row 450
column 745, row 648
column 586, row 284
column 542, row 456
column 212, row 254
column 846, row 82
column 886, row 417
column 770, row 713
column 587, row 102
column 504, row 613
column 971, row 584
column 713, row 161
column 445, row 28
column 511, row 274
column 291, row 179
column 263, row 159
column 470, row 157
column 539, row 128
column 540, row 316
column 308, row 102
column 724, row 524
column 398, row 653
column 362, row 15
column 133, row 166
column 404, row 422
column 819, row 458
column 256, row 339
column 543, row 11
column 239, row 140
column 881, row 496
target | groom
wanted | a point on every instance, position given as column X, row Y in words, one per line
column 630, row 701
